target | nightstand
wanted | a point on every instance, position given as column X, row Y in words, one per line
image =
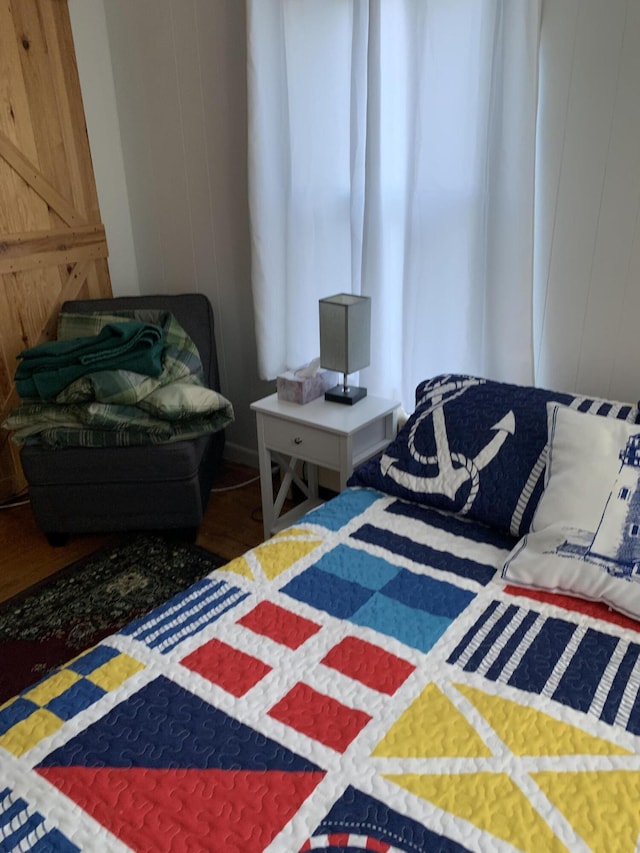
column 320, row 434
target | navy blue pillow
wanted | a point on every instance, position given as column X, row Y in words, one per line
column 476, row 447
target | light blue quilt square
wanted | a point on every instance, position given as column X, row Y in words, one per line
column 415, row 628
column 347, row 505
column 356, row 566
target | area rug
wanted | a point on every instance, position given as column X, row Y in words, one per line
column 77, row 607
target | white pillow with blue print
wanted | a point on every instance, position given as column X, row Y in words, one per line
column 476, row 447
column 585, row 535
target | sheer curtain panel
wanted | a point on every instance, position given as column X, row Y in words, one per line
column 391, row 153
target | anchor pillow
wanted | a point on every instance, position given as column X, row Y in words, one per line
column 585, row 536
column 476, row 447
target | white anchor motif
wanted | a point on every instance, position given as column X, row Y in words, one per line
column 454, row 469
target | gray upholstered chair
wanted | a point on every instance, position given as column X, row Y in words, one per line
column 152, row 487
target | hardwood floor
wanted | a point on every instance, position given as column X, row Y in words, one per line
column 232, row 524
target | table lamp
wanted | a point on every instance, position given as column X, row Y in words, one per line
column 345, row 333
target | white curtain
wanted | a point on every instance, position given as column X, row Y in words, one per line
column 391, row 153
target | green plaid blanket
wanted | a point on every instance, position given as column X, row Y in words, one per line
column 47, row 369
column 120, row 407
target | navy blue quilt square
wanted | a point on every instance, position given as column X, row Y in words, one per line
column 424, row 593
column 15, row 712
column 338, row 597
column 373, row 825
column 76, row 698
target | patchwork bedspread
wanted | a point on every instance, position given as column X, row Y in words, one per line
column 362, row 681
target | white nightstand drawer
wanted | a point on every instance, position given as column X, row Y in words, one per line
column 306, row 442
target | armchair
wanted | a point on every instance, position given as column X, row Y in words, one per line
column 147, row 487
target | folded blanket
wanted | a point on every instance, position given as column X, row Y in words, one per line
column 108, row 408
column 97, row 425
column 180, row 361
column 45, row 370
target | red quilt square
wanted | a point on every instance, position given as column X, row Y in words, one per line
column 595, row 609
column 279, row 624
column 233, row 670
column 368, row 664
column 320, row 717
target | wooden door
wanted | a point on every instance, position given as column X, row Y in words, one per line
column 52, row 243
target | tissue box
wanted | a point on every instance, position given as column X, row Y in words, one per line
column 295, row 389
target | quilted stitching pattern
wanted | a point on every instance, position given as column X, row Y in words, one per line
column 364, row 696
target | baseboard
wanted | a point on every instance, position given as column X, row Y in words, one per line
column 241, row 455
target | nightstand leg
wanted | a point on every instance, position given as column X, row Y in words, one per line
column 289, row 472
column 266, row 486
column 312, row 480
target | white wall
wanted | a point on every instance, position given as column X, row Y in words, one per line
column 179, row 79
column 180, row 90
column 89, row 27
column 588, row 223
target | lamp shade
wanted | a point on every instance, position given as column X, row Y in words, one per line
column 345, row 332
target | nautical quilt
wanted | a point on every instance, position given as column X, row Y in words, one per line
column 364, row 680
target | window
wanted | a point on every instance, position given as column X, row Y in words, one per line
column 392, row 154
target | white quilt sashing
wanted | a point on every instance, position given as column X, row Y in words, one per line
column 585, row 534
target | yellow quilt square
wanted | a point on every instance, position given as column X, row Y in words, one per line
column 27, row 733
column 52, row 687
column 112, row 673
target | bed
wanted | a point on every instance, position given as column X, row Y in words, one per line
column 444, row 657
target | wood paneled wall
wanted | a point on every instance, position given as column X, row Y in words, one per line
column 52, row 242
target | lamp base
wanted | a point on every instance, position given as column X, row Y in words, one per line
column 349, row 395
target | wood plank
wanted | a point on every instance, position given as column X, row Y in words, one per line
column 13, row 246
column 72, row 289
column 52, row 243
column 69, row 110
column 28, row 300
column 40, row 90
column 34, row 178
column 76, row 281
column 93, row 287
column 26, row 209
column 67, row 255
column 15, row 117
column 49, row 235
column 27, row 558
column 30, row 250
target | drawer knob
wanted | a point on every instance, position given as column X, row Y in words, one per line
column 297, row 440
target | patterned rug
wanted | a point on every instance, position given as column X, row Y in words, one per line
column 72, row 610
